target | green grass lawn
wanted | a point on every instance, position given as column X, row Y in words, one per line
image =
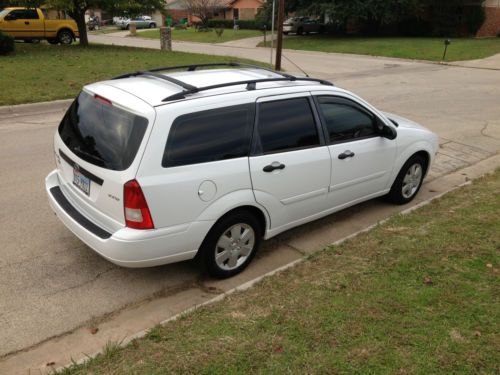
column 191, row 35
column 42, row 72
column 419, row 294
column 408, row 48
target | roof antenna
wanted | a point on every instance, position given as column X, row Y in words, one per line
column 298, row 67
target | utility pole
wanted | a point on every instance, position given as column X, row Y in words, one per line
column 272, row 32
column 279, row 45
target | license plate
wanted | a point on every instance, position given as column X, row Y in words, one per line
column 82, row 182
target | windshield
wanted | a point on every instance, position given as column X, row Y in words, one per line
column 101, row 133
column 3, row 12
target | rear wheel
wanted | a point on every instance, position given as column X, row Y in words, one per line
column 152, row 25
column 408, row 181
column 65, row 37
column 300, row 31
column 231, row 244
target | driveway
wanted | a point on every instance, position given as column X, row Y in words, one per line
column 51, row 283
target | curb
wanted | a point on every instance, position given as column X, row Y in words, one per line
column 247, row 285
column 24, row 109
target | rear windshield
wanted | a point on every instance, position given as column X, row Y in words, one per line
column 102, row 134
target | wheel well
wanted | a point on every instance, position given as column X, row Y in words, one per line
column 66, row 29
column 425, row 155
column 254, row 211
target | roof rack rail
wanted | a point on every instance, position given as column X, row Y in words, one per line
column 184, row 85
column 190, row 89
column 251, row 85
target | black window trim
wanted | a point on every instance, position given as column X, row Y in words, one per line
column 355, row 105
column 251, row 107
column 256, row 149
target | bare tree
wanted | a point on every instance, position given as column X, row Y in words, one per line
column 205, row 9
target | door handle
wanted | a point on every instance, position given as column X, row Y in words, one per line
column 274, row 165
column 26, row 23
column 346, row 154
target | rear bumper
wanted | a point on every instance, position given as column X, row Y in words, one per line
column 128, row 247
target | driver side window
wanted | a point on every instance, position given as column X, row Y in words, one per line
column 345, row 120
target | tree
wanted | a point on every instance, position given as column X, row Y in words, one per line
column 204, row 9
column 77, row 8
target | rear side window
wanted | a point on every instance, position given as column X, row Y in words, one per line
column 207, row 136
column 286, row 125
column 102, row 134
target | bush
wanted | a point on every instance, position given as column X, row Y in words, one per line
column 7, row 44
column 180, row 26
column 243, row 24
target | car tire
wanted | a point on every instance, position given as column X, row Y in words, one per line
column 409, row 181
column 300, row 31
column 285, row 32
column 152, row 25
column 231, row 244
column 127, row 27
column 321, row 30
column 65, row 37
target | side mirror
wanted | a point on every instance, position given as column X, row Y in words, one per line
column 385, row 131
column 389, row 132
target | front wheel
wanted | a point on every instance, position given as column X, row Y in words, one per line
column 152, row 25
column 231, row 244
column 65, row 37
column 408, row 181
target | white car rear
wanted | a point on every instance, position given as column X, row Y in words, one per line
column 154, row 168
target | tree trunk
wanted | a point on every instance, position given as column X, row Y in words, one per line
column 79, row 17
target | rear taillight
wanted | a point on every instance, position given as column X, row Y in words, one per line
column 137, row 213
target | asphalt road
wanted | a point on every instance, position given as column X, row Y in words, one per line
column 51, row 283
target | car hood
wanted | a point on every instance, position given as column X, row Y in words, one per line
column 403, row 122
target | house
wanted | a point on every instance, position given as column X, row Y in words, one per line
column 491, row 26
column 241, row 9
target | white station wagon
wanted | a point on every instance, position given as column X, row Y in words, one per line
column 161, row 166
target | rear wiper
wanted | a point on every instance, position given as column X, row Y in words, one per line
column 95, row 157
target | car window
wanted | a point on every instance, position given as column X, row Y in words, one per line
column 345, row 120
column 207, row 136
column 25, row 14
column 286, row 125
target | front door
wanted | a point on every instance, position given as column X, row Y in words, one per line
column 290, row 164
column 362, row 160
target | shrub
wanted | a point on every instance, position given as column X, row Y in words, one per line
column 243, row 24
column 180, row 27
column 7, row 44
column 219, row 30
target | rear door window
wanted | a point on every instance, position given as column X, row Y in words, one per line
column 102, row 134
column 212, row 135
column 286, row 125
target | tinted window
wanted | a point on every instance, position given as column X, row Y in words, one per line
column 209, row 136
column 345, row 120
column 25, row 14
column 286, row 125
column 102, row 134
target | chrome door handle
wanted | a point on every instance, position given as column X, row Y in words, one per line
column 346, row 154
column 274, row 165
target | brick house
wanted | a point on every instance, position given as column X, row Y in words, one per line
column 241, row 9
column 491, row 26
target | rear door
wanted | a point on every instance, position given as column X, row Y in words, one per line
column 290, row 164
column 362, row 160
column 98, row 147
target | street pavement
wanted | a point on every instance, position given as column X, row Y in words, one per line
column 51, row 283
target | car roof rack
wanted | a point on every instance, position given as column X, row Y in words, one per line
column 190, row 89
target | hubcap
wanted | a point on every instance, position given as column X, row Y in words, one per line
column 234, row 246
column 412, row 180
column 65, row 38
